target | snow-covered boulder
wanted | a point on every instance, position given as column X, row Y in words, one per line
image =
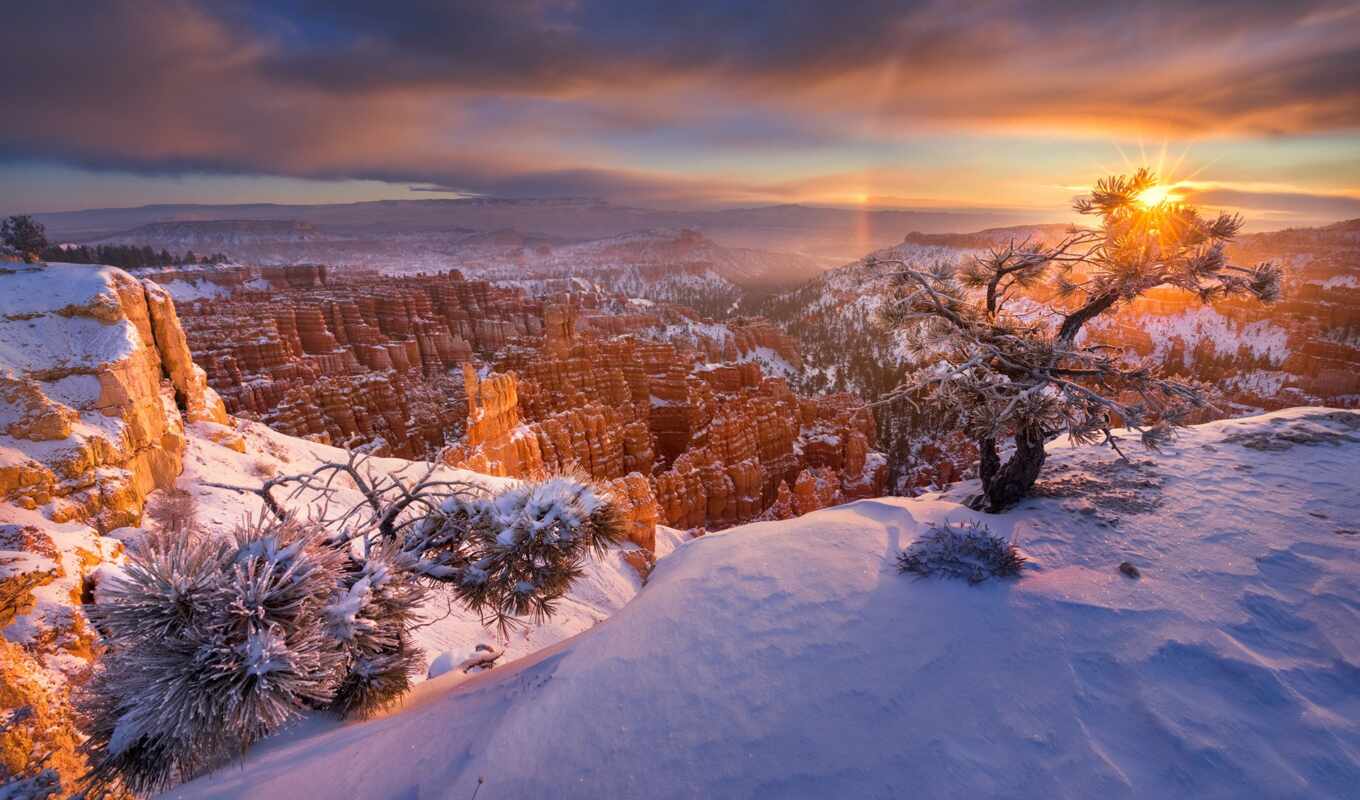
column 94, row 371
column 790, row 659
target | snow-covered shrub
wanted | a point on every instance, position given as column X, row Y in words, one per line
column 215, row 642
column 372, row 616
column 968, row 550
column 174, row 510
column 516, row 553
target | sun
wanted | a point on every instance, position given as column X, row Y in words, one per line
column 1154, row 196
column 862, row 199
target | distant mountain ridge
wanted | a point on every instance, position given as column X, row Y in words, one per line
column 814, row 230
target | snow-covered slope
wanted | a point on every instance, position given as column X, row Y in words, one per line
column 789, row 660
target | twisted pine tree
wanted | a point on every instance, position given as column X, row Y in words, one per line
column 1000, row 372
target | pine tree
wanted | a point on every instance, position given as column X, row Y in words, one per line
column 25, row 236
column 216, row 641
column 999, row 372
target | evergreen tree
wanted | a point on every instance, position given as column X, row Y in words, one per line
column 25, row 236
column 998, row 373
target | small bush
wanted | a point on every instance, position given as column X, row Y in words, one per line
column 213, row 643
column 968, row 550
column 174, row 510
column 517, row 553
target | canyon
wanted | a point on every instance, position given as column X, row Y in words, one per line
column 106, row 422
column 117, row 399
column 691, row 420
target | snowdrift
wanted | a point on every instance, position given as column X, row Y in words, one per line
column 789, row 659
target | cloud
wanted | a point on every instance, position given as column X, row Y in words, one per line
column 611, row 97
column 1277, row 204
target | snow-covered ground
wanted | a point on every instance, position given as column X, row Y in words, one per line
column 789, row 659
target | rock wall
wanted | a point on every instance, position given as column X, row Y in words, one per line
column 96, row 387
column 715, row 444
column 97, row 382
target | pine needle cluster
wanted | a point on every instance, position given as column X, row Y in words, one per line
column 515, row 555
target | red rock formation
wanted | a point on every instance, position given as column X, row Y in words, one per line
column 634, row 495
column 364, row 361
column 318, row 342
column 739, row 440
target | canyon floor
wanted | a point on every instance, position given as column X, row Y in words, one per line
column 789, row 659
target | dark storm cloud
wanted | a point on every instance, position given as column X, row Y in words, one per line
column 519, row 96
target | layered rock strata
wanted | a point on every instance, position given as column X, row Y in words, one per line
column 97, row 382
column 716, row 445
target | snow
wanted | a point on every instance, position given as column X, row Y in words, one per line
column 1262, row 339
column 188, row 290
column 30, row 346
column 45, row 289
column 771, row 363
column 40, row 332
column 789, row 659
column 446, row 662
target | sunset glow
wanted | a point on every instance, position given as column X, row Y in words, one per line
column 292, row 103
column 1157, row 195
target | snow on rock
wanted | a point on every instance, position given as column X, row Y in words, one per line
column 446, row 662
column 92, row 364
column 789, row 659
column 1263, row 339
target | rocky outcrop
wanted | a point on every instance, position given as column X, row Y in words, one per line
column 96, row 386
column 634, row 495
column 97, row 382
column 37, row 724
column 192, row 393
column 717, row 446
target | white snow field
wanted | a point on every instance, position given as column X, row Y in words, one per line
column 790, row 660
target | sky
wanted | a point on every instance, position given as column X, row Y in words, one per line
column 1251, row 106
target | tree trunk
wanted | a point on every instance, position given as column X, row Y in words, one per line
column 1004, row 485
